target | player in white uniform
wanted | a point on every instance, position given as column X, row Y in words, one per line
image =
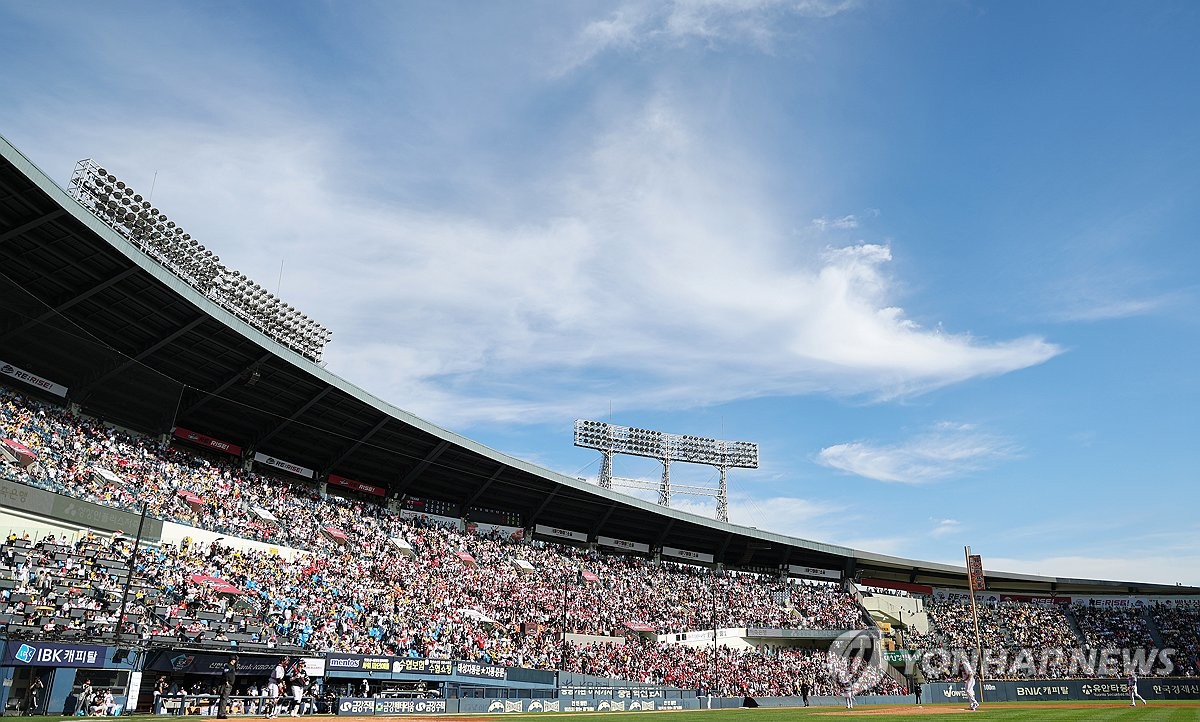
column 274, row 687
column 1133, row 693
column 969, row 683
column 849, row 695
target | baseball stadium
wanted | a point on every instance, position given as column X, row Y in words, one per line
column 200, row 519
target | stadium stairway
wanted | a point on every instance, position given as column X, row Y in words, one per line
column 1152, row 626
column 1075, row 628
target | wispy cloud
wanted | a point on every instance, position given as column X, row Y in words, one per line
column 945, row 527
column 1105, row 309
column 1134, row 567
column 644, row 267
column 843, row 223
column 949, row 450
column 644, row 23
column 654, row 247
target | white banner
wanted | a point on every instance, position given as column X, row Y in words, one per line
column 962, row 595
column 690, row 555
column 314, row 666
column 20, row 374
column 814, row 572
column 1111, row 602
column 265, row 515
column 285, row 465
column 560, row 533
column 607, row 541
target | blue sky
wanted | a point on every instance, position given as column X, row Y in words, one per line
column 938, row 259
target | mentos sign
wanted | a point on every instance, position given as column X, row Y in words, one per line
column 43, row 654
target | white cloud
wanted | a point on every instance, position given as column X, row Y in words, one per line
column 646, row 268
column 1137, row 567
column 1099, row 309
column 948, row 450
column 945, row 527
column 654, row 275
column 641, row 23
column 843, row 223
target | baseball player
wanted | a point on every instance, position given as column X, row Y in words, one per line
column 1133, row 693
column 969, row 683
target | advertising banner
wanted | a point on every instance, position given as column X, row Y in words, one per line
column 285, row 465
column 1049, row 690
column 607, row 541
column 962, row 595
column 412, row 665
column 47, row 654
column 560, row 533
column 975, row 572
column 22, row 453
column 77, row 511
column 204, row 440
column 357, row 663
column 357, row 485
column 814, row 572
column 686, row 554
column 24, row 376
column 181, row 661
column 362, row 706
column 474, row 669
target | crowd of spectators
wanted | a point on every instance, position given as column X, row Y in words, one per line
column 951, row 626
column 1180, row 628
column 1028, row 639
column 747, row 672
column 461, row 595
column 1114, row 628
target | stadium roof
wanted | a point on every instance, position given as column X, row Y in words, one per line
column 138, row 347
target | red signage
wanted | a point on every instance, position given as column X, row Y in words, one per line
column 890, row 584
column 207, row 441
column 24, row 455
column 357, row 485
column 975, row 573
column 466, row 559
column 216, row 584
column 640, row 626
column 589, row 577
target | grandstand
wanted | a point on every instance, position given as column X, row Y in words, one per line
column 289, row 511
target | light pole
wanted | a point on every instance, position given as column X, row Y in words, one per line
column 713, row 683
column 137, row 542
column 562, row 664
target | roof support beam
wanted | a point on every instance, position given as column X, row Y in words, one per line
column 545, row 502
column 87, row 390
column 483, row 487
column 420, row 468
column 30, row 225
column 295, row 415
column 725, row 546
column 354, row 447
column 70, row 302
column 604, row 519
column 240, row 375
column 666, row 530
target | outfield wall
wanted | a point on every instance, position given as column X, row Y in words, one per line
column 360, row 706
column 1050, row 690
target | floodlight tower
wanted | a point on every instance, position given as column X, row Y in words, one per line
column 666, row 448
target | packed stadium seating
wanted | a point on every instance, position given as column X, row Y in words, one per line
column 1009, row 628
column 357, row 594
column 505, row 606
